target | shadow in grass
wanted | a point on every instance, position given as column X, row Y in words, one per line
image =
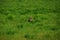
column 19, row 26
column 8, row 33
column 55, row 29
column 11, row 33
column 10, row 18
column 29, row 36
column 4, row 12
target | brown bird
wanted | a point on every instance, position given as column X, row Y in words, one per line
column 30, row 19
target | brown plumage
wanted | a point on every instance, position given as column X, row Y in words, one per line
column 30, row 19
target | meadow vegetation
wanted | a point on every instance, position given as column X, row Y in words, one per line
column 16, row 25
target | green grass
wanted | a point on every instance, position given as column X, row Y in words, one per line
column 14, row 15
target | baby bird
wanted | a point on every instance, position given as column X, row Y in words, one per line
column 30, row 19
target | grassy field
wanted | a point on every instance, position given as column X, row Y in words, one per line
column 14, row 15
